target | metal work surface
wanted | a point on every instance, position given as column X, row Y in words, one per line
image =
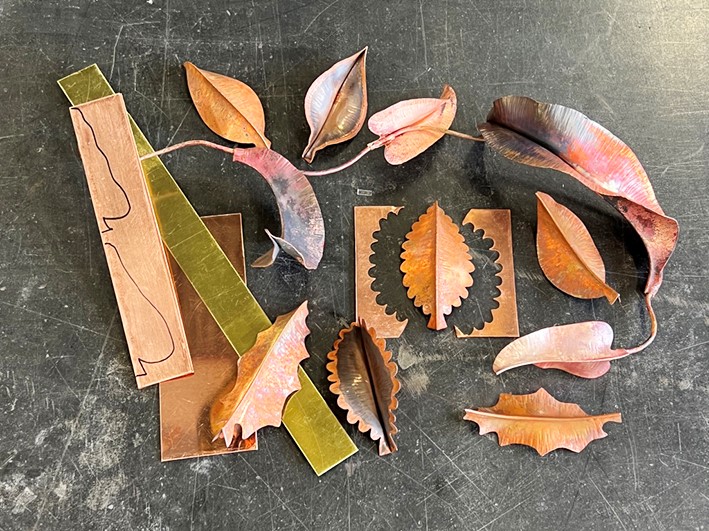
column 79, row 443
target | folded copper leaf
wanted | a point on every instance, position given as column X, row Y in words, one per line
column 437, row 266
column 540, row 421
column 414, row 125
column 364, row 380
column 366, row 222
column 583, row 349
column 552, row 136
column 267, row 375
column 227, row 106
column 336, row 104
column 497, row 225
column 567, row 254
column 302, row 226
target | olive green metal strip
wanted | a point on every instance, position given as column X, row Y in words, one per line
column 307, row 417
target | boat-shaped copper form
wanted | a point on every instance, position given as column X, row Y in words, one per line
column 497, row 225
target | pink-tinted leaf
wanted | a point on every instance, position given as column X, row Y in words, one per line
column 552, row 136
column 583, row 349
column 414, row 125
column 302, row 226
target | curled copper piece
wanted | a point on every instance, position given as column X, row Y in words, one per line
column 184, row 403
column 497, row 225
column 131, row 241
column 367, row 221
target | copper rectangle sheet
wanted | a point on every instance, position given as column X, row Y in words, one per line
column 185, row 402
column 366, row 222
column 131, row 240
column 497, row 225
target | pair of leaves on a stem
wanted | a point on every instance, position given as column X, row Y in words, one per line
column 540, row 421
column 267, row 375
column 560, row 138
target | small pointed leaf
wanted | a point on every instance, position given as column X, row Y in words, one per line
column 364, row 380
column 540, row 421
column 415, row 125
column 267, row 376
column 336, row 104
column 227, row 106
column 302, row 225
column 567, row 254
column 437, row 266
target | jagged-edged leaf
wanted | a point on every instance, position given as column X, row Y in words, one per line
column 567, row 254
column 557, row 137
column 267, row 376
column 583, row 349
column 227, row 106
column 437, row 266
column 540, row 421
column 336, row 104
column 414, row 125
column 302, row 226
column 364, row 380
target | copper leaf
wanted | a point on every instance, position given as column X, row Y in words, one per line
column 336, row 104
column 437, row 266
column 302, row 226
column 552, row 136
column 267, row 376
column 414, row 125
column 567, row 254
column 583, row 349
column 229, row 107
column 540, row 421
column 364, row 380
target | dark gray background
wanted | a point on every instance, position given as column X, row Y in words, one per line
column 79, row 442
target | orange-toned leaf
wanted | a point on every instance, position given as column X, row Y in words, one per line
column 567, row 254
column 229, row 107
column 540, row 421
column 583, row 349
column 336, row 104
column 414, row 125
column 437, row 266
column 364, row 380
column 267, row 376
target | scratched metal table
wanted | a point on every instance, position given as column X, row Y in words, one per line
column 79, row 443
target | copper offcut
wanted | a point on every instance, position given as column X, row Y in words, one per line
column 131, row 241
column 367, row 221
column 185, row 402
column 497, row 225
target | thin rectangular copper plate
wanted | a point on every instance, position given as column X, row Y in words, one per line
column 366, row 222
column 131, row 241
column 497, row 225
column 185, row 402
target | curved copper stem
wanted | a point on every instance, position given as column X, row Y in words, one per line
column 653, row 328
column 370, row 147
column 188, row 143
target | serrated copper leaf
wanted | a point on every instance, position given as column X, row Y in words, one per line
column 583, row 349
column 227, row 106
column 566, row 252
column 302, row 225
column 364, row 380
column 336, row 104
column 267, row 376
column 415, row 125
column 540, row 421
column 557, row 137
column 437, row 266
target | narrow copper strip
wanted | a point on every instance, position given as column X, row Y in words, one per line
column 497, row 225
column 131, row 240
column 185, row 402
column 366, row 222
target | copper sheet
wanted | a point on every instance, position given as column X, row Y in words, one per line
column 185, row 402
column 131, row 240
column 366, row 222
column 497, row 225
